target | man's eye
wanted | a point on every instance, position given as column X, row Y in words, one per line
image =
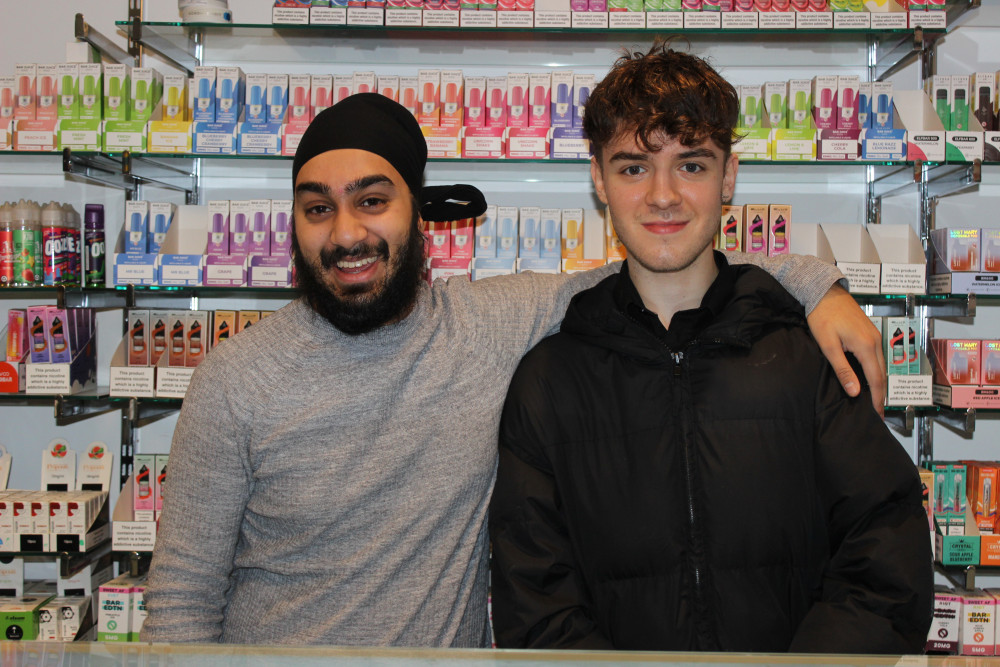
column 372, row 202
column 692, row 168
column 318, row 209
column 632, row 170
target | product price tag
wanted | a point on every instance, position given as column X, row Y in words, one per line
column 665, row 20
column 851, row 21
column 590, row 19
column 290, row 15
column 935, row 19
column 888, row 20
column 814, row 20
column 477, row 19
column 776, row 20
column 398, row 17
column 702, row 20
column 739, row 20
column 440, row 18
column 327, row 15
column 516, row 19
column 553, row 19
column 630, row 20
column 365, row 16
column 46, row 379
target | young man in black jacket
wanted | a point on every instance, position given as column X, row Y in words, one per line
column 679, row 469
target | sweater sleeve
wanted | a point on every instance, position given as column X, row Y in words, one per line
column 540, row 599
column 877, row 593
column 205, row 495
column 805, row 277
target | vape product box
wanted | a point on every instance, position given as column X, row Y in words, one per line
column 8, row 101
column 259, row 233
column 17, row 334
column 142, row 487
column 582, row 85
column 561, row 106
column 320, row 93
column 865, row 104
column 451, row 99
column 146, row 88
column 517, row 99
column 572, row 233
column 137, row 221
column 49, row 622
column 116, row 91
column 960, row 103
column 162, row 216
column 956, row 249
column 11, row 567
column 983, row 99
column 58, row 330
column 25, row 102
column 175, row 338
column 731, row 229
column 462, row 239
column 364, row 82
column 958, row 361
column 246, row 318
column 439, row 234
column 550, row 233
column 486, row 238
column 408, row 92
column 299, row 97
column 946, row 623
column 755, row 218
column 990, row 376
column 159, row 320
column 776, row 103
column 913, row 346
column 73, row 612
column 388, row 86
column 824, row 95
column 281, row 227
column 847, row 102
column 138, row 337
column 218, row 236
column 19, row 617
column 46, row 83
column 175, row 97
column 161, row 477
column 539, row 99
column 989, row 241
column 506, row 242
column 895, row 340
column 800, row 101
column 255, row 98
column 496, row 101
column 881, row 103
column 277, row 97
column 940, row 92
column 475, row 101
column 223, row 326
column 196, row 337
column 779, row 225
column 37, row 325
column 978, row 623
column 241, row 217
column 983, row 479
column 615, row 249
column 343, row 87
column 90, row 83
column 528, row 236
column 114, row 616
column 429, row 84
column 203, row 93
column 138, row 608
column 751, row 107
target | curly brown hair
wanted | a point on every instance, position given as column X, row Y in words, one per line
column 665, row 91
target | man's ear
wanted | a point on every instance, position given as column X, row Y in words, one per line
column 729, row 177
column 597, row 176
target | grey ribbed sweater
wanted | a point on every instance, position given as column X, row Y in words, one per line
column 332, row 489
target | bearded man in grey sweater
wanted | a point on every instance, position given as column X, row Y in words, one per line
column 332, row 466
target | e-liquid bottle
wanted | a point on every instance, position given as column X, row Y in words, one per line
column 27, row 243
column 55, row 245
column 75, row 264
column 93, row 245
column 6, row 245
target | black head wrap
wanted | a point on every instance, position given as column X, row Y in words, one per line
column 374, row 123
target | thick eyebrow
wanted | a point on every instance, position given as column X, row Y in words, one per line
column 351, row 188
column 697, row 153
column 625, row 156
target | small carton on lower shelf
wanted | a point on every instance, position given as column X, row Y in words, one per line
column 904, row 269
column 856, row 256
column 127, row 534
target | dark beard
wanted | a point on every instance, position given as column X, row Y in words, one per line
column 366, row 307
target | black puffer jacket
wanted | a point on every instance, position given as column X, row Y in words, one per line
column 724, row 495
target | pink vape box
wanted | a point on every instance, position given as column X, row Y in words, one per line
column 38, row 334
column 439, row 234
column 496, row 101
column 462, row 239
column 58, row 335
column 539, row 99
column 24, row 109
column 825, row 101
column 452, row 100
column 475, row 101
column 517, row 100
column 958, row 361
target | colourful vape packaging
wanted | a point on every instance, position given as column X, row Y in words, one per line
column 57, row 331
column 561, row 105
column 895, row 341
column 161, row 216
column 429, row 84
column 320, row 93
column 137, row 225
column 913, row 346
column 614, row 249
column 517, row 99
column 451, row 100
column 864, row 104
column 496, row 101
column 572, row 233
column 138, row 337
column 17, row 334
column 299, row 97
column 223, row 326
column 755, row 220
column 847, row 102
column 175, row 97
column 218, row 234
column 751, row 107
column 990, row 377
column 731, row 229
column 343, row 87
column 229, row 94
column 277, row 97
column 388, row 86
column 475, row 101
column 259, row 232
column 582, row 85
column 90, row 83
column 776, row 103
column 945, row 626
column 159, row 322
column 146, row 85
column 800, row 104
column 486, row 238
column 506, row 242
column 960, row 103
column 550, row 233
column 958, row 361
column 46, row 84
column 25, row 100
column 983, row 95
column 779, row 225
column 143, row 482
column 824, row 95
column 203, row 93
column 176, row 330
column 281, row 227
column 956, row 249
column 539, row 99
column 881, row 112
column 939, row 90
column 529, row 233
column 246, row 318
column 196, row 337
column 116, row 91
column 439, row 235
column 462, row 239
column 8, row 98
column 240, row 220
column 161, row 476
column 978, row 623
column 408, row 93
column 364, row 82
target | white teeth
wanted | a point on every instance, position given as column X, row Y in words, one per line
column 358, row 264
